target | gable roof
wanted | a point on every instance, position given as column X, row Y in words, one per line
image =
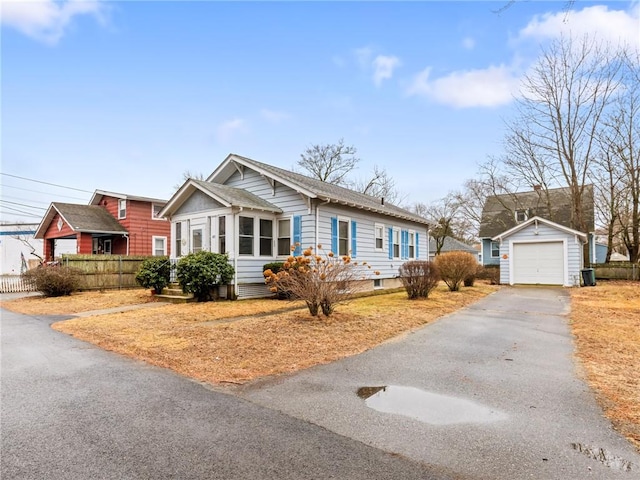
column 450, row 244
column 312, row 188
column 498, row 214
column 536, row 220
column 98, row 194
column 81, row 218
column 224, row 194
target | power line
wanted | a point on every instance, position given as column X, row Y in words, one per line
column 24, row 199
column 45, row 183
column 4, row 207
column 22, row 204
column 38, row 191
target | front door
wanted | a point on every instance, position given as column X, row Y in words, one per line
column 197, row 237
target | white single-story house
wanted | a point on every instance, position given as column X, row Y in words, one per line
column 529, row 235
column 256, row 212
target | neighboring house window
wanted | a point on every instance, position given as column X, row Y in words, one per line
column 521, row 216
column 379, row 232
column 156, row 208
column 122, row 208
column 159, row 246
column 412, row 244
column 196, row 240
column 222, row 234
column 495, row 249
column 377, row 283
column 245, row 229
column 107, row 247
column 178, row 237
column 396, row 243
column 266, row 237
column 284, row 237
column 343, row 237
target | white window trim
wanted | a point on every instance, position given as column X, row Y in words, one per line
column 153, row 217
column 153, row 245
column 491, row 249
column 256, row 236
column 524, row 212
column 348, row 220
column 375, row 238
column 124, row 201
column 399, row 232
column 277, row 237
column 411, row 232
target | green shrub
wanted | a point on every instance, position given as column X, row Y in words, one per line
column 155, row 272
column 199, row 273
column 53, row 281
column 454, row 267
column 275, row 267
column 419, row 277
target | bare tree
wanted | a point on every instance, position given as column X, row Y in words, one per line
column 329, row 163
column 380, row 184
column 442, row 216
column 186, row 175
column 564, row 100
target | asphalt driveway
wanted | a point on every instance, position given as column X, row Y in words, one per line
column 490, row 392
column 72, row 411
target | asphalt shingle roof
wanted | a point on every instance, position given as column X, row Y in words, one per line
column 237, row 196
column 88, row 218
column 336, row 193
column 451, row 245
column 498, row 212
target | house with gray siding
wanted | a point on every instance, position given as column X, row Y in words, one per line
column 530, row 236
column 256, row 212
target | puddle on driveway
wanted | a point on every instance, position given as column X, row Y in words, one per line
column 427, row 407
column 605, row 457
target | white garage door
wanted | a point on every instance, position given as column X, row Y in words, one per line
column 538, row 263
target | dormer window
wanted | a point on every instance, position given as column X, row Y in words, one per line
column 521, row 216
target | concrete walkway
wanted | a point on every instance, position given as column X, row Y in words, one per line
column 489, row 392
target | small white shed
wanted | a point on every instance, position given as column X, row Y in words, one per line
column 541, row 252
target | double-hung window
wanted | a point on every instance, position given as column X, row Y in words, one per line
column 343, row 237
column 122, row 208
column 412, row 244
column 159, row 246
column 396, row 243
column 266, row 237
column 495, row 249
column 222, row 234
column 178, row 239
column 246, row 235
column 284, row 237
column 379, row 236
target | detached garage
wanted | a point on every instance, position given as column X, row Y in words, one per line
column 540, row 252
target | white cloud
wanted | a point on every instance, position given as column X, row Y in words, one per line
column 468, row 43
column 228, row 129
column 490, row 87
column 610, row 25
column 383, row 68
column 46, row 20
column 274, row 116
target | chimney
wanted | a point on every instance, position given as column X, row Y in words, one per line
column 537, row 188
column 381, row 200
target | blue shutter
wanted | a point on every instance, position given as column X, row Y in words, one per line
column 353, row 238
column 390, row 243
column 334, row 235
column 417, row 245
column 297, row 234
column 403, row 244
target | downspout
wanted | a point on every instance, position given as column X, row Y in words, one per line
column 126, row 235
column 318, row 220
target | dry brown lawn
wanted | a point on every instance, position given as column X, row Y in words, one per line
column 78, row 302
column 200, row 340
column 606, row 323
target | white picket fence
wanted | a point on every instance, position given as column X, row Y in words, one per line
column 14, row 284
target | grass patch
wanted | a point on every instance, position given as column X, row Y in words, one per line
column 78, row 302
column 605, row 320
column 199, row 340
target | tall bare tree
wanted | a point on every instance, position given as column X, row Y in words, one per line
column 331, row 162
column 563, row 105
column 380, row 184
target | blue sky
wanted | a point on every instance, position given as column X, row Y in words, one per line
column 126, row 96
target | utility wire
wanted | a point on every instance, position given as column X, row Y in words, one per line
column 4, row 207
column 45, row 183
column 38, row 191
column 22, row 204
column 24, row 199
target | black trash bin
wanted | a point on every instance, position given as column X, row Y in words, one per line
column 588, row 277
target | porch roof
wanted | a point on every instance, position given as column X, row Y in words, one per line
column 81, row 218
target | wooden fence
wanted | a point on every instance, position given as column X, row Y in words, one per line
column 617, row 271
column 103, row 272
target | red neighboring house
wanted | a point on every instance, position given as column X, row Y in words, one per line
column 112, row 223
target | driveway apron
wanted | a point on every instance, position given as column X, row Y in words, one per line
column 492, row 391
